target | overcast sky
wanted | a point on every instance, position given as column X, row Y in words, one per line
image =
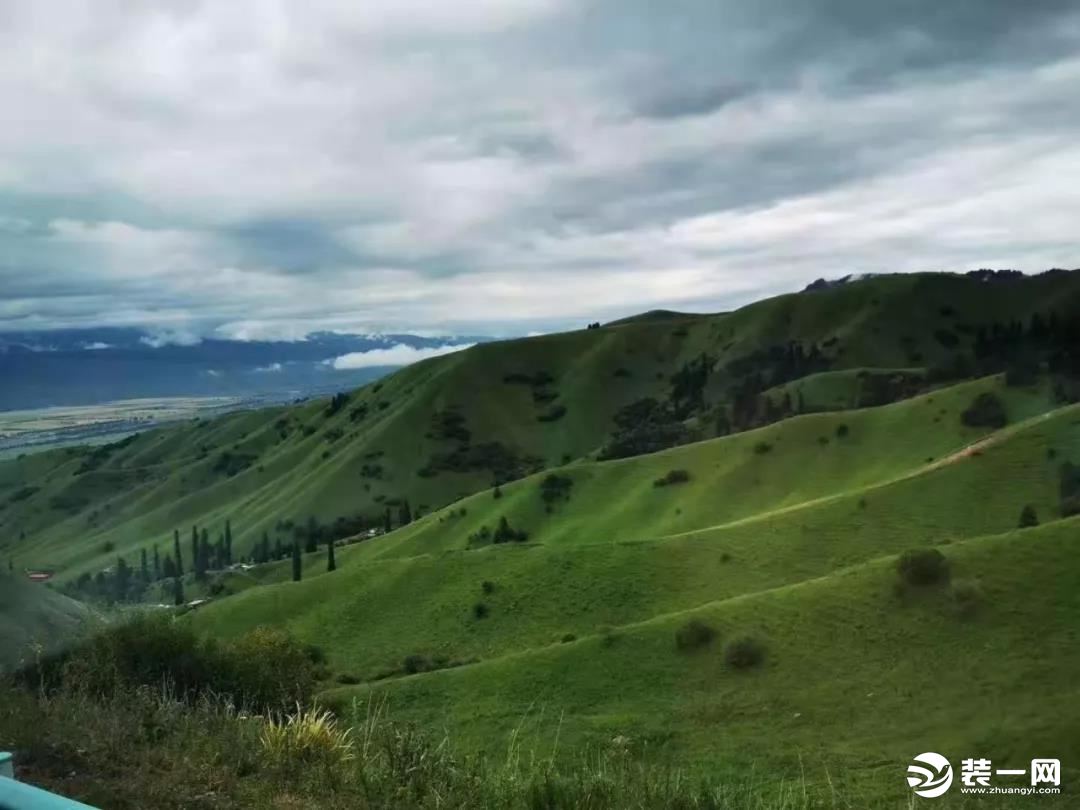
column 504, row 166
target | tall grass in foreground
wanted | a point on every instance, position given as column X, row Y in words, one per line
column 144, row 748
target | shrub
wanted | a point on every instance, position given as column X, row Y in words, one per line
column 693, row 635
column 923, row 566
column 480, row 611
column 555, row 488
column 967, row 597
column 672, row 477
column 1028, row 518
column 566, row 639
column 415, row 663
column 309, row 738
column 487, row 586
column 842, row 430
column 346, row 679
column 744, row 652
column 986, row 410
column 761, row 448
column 266, row 668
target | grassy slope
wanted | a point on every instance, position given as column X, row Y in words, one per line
column 32, row 614
column 165, row 479
column 413, row 591
column 856, row 678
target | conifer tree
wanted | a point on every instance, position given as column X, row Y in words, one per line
column 265, row 551
column 331, row 563
column 404, row 513
column 228, row 543
column 157, row 564
column 178, row 591
column 194, row 548
column 176, row 552
column 297, row 564
column 121, row 580
column 388, row 526
column 279, row 551
column 144, row 568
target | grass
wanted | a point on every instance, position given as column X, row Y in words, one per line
column 810, row 672
column 854, row 681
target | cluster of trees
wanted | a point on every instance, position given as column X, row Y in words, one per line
column 1020, row 348
column 337, row 402
column 645, row 426
column 123, row 582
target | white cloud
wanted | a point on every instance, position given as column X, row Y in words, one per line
column 512, row 165
column 170, row 337
column 269, row 369
column 397, row 355
column 96, row 345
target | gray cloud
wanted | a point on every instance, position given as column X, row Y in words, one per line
column 516, row 165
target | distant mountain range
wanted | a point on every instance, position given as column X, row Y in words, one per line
column 89, row 366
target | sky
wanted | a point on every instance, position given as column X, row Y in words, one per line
column 263, row 169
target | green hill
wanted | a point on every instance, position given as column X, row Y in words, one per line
column 34, row 619
column 451, row 426
column 563, row 507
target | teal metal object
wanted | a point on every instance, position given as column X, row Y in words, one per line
column 18, row 796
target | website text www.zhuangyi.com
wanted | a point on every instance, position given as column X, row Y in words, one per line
column 1014, row 791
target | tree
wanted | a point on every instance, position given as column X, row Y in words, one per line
column 404, row 513
column 176, row 552
column 228, row 543
column 264, row 550
column 387, row 524
column 1028, row 518
column 194, row 548
column 157, row 564
column 121, row 580
column 168, row 568
column 144, row 567
column 279, row 550
column 297, row 563
column 178, row 591
column 331, row 563
column 202, row 555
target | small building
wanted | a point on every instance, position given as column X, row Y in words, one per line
column 39, row 576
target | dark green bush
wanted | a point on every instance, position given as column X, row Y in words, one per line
column 566, row 639
column 1028, row 517
column 761, row 448
column 987, row 410
column 266, row 668
column 923, row 566
column 487, row 586
column 415, row 663
column 842, row 430
column 672, row 477
column 346, row 679
column 480, row 611
column 693, row 635
column 744, row 652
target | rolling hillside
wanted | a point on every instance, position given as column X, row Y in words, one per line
column 449, row 427
column 583, row 525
